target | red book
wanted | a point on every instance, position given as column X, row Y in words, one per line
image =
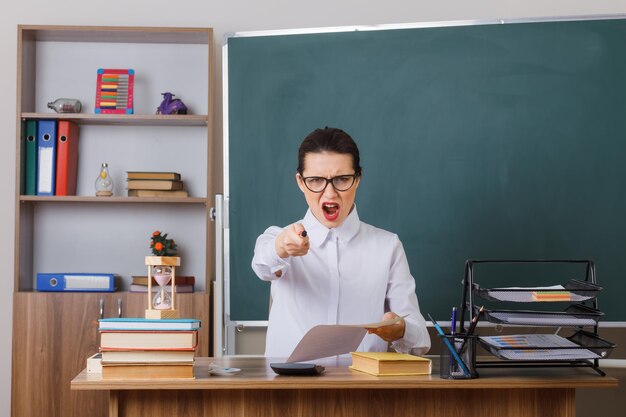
column 67, row 158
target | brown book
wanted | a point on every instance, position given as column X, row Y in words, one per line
column 180, row 280
column 390, row 363
column 145, row 371
column 152, row 175
column 148, row 340
column 147, row 356
column 154, row 185
column 158, row 193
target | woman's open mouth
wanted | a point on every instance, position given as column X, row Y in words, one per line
column 331, row 211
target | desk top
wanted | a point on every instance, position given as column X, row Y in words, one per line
column 257, row 374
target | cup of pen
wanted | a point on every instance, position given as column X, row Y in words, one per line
column 458, row 356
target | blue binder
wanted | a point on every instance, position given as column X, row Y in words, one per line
column 73, row 282
column 46, row 156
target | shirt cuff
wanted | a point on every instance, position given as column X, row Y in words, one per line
column 280, row 267
column 408, row 341
column 275, row 262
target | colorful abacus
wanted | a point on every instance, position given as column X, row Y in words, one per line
column 114, row 91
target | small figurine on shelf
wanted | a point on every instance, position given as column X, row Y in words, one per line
column 104, row 183
column 171, row 105
column 162, row 268
column 65, row 105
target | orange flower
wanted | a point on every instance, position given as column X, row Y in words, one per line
column 158, row 246
column 156, row 233
column 151, row 243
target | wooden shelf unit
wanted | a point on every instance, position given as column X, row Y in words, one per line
column 54, row 333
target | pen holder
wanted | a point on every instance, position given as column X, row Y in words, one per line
column 465, row 348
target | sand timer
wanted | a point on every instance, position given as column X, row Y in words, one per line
column 162, row 303
column 162, row 300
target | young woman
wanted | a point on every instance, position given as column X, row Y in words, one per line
column 331, row 268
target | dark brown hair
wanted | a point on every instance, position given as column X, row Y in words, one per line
column 329, row 139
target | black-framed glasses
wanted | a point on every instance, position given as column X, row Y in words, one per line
column 340, row 182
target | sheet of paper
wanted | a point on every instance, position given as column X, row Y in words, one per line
column 333, row 339
column 327, row 340
column 551, row 287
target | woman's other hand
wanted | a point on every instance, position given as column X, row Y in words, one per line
column 392, row 332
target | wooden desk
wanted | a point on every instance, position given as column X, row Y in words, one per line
column 339, row 392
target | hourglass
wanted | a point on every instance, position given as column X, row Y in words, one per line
column 162, row 304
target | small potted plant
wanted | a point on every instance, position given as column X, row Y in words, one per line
column 161, row 245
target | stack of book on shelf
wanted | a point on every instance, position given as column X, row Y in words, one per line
column 135, row 348
column 184, row 284
column 154, row 184
column 390, row 363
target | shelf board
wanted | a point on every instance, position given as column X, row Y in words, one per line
column 116, row 200
column 118, row 292
column 125, row 119
column 116, row 34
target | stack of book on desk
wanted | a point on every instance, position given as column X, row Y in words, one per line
column 135, row 348
column 184, row 284
column 154, row 184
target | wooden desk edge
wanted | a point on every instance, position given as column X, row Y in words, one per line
column 239, row 382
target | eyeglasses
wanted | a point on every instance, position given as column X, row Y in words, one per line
column 319, row 184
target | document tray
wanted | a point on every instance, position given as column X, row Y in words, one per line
column 581, row 345
column 575, row 315
column 574, row 290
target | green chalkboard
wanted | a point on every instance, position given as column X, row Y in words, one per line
column 489, row 141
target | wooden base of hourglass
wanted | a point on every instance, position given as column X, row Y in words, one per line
column 162, row 314
column 172, row 312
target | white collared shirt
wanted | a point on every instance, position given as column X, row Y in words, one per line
column 352, row 274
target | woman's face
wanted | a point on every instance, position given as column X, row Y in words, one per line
column 330, row 207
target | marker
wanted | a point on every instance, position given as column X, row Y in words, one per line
column 453, row 321
column 456, row 356
column 303, row 233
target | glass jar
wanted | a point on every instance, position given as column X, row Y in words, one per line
column 65, row 105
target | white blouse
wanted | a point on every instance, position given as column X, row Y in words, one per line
column 352, row 274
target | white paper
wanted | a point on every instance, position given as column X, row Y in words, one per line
column 551, row 287
column 530, row 347
column 333, row 339
column 327, row 340
column 549, row 320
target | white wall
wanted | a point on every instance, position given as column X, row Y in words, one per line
column 225, row 16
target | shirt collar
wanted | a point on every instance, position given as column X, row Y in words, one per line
column 318, row 233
